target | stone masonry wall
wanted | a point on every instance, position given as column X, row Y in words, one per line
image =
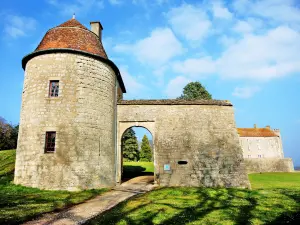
column 204, row 136
column 82, row 116
column 269, row 165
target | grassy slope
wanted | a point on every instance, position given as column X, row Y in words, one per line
column 7, row 165
column 275, row 199
column 147, row 166
column 134, row 169
column 20, row 203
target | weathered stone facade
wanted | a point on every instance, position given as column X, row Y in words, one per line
column 200, row 133
column 82, row 115
column 269, row 165
column 195, row 142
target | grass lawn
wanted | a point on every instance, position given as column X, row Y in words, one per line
column 274, row 180
column 274, row 199
column 18, row 203
column 134, row 169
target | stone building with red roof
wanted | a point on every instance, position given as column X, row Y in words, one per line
column 73, row 117
column 260, row 142
column 262, row 147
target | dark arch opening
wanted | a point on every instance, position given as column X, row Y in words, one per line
column 137, row 151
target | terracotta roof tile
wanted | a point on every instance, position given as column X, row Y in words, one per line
column 256, row 132
column 72, row 35
column 72, row 23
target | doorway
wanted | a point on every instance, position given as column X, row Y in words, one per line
column 137, row 152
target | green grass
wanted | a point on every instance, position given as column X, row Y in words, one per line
column 274, row 180
column 134, row 169
column 184, row 205
column 19, row 204
column 274, row 199
column 7, row 165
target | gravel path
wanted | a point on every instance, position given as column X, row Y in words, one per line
column 81, row 213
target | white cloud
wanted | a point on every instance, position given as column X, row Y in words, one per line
column 160, row 47
column 133, row 87
column 139, row 2
column 195, row 67
column 276, row 10
column 249, row 25
column 245, row 92
column 123, row 48
column 115, row 2
column 157, row 49
column 18, row 26
column 160, row 71
column 219, row 11
column 76, row 6
column 266, row 49
column 175, row 86
column 226, row 40
column 160, row 2
column 243, row 27
column 147, row 3
column 189, row 21
column 258, row 57
column 262, row 57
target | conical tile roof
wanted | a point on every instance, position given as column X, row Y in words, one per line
column 72, row 35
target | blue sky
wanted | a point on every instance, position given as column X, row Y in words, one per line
column 243, row 51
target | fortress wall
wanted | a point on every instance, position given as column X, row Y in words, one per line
column 204, row 136
column 269, row 165
column 82, row 116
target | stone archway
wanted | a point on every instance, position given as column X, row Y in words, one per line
column 122, row 127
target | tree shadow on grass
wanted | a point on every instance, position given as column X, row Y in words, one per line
column 205, row 206
column 19, row 203
column 130, row 171
column 291, row 218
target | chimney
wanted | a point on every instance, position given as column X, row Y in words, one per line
column 97, row 28
column 254, row 125
column 268, row 127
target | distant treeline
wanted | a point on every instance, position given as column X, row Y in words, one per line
column 8, row 135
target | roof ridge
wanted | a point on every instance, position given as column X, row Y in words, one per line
column 72, row 23
column 256, row 132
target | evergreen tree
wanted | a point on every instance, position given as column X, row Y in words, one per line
column 195, row 90
column 146, row 152
column 130, row 146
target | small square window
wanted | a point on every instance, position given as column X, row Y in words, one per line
column 53, row 88
column 50, row 141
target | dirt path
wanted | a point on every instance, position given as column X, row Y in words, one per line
column 81, row 213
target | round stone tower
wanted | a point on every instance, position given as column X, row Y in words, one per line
column 67, row 136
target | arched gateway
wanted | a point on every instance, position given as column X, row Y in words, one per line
column 122, row 127
column 73, row 117
column 195, row 142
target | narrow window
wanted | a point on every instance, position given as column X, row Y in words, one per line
column 50, row 141
column 53, row 88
